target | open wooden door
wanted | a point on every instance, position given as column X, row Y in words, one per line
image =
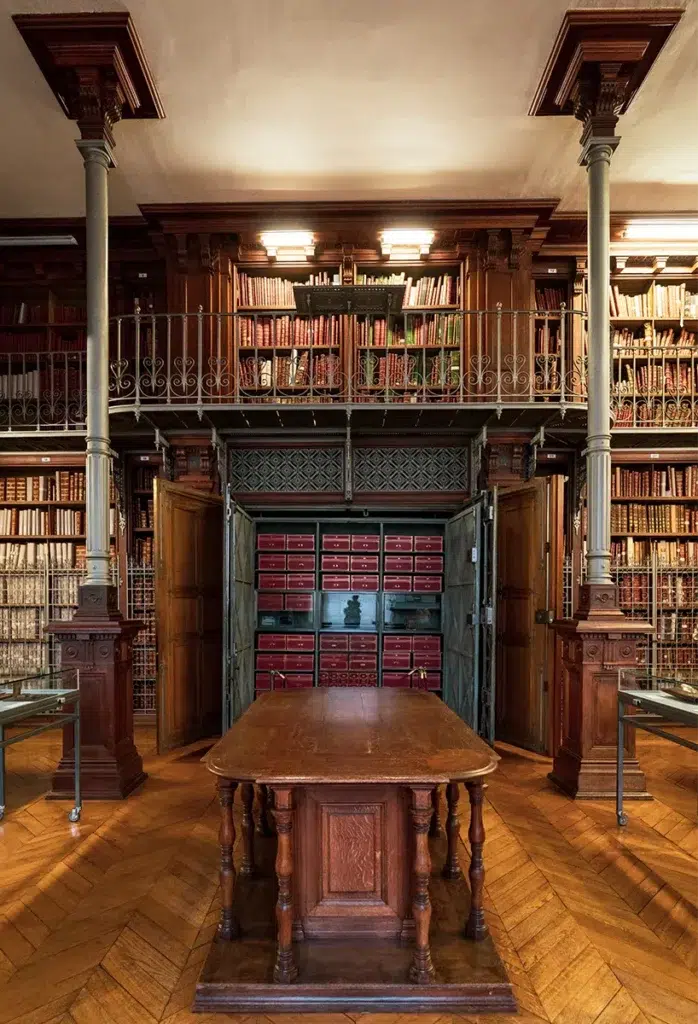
column 189, row 613
column 527, row 585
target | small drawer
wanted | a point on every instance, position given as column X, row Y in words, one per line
column 396, row 659
column 297, row 682
column 271, row 541
column 426, row 584
column 398, row 543
column 335, row 661
column 300, row 563
column 398, row 563
column 336, row 582
column 300, row 542
column 363, row 643
column 334, row 643
column 428, row 661
column 271, row 563
column 270, row 602
column 263, row 681
column 336, row 542
column 269, row 662
column 365, row 542
column 426, row 644
column 299, row 662
column 428, row 563
column 397, row 643
column 428, row 544
column 299, row 602
column 364, row 583
column 364, row 563
column 271, row 642
column 300, row 642
column 363, row 662
column 335, row 563
column 301, row 581
column 396, row 679
column 271, row 581
column 393, row 583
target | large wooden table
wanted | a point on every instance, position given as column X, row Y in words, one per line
column 372, row 910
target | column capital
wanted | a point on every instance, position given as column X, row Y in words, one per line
column 96, row 151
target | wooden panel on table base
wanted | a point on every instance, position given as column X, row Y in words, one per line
column 598, row 642
column 98, row 642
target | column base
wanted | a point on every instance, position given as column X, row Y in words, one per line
column 593, row 779
column 103, row 776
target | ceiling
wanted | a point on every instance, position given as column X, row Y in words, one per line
column 347, row 99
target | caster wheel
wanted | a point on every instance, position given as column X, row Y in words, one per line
column 74, row 815
column 622, row 819
column 2, row 813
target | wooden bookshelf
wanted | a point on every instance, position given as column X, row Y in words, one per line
column 42, row 318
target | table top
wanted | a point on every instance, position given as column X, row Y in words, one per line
column 661, row 703
column 333, row 734
column 33, row 702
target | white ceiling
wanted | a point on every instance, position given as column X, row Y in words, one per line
column 347, row 99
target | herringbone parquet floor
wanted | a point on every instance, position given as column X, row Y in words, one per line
column 108, row 921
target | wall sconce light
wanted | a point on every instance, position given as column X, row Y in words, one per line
column 406, row 243
column 288, row 246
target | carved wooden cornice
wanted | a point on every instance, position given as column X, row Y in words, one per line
column 95, row 66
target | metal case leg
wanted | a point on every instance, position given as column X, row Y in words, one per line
column 620, row 816
column 74, row 815
column 2, row 772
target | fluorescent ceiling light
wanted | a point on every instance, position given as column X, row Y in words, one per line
column 28, row 240
column 406, row 243
column 662, row 230
column 288, row 245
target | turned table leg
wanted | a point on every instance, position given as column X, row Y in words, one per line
column 475, row 927
column 435, row 824
column 452, row 866
column 422, row 969
column 264, row 825
column 227, row 927
column 247, row 866
column 285, row 970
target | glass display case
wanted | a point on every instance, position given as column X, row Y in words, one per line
column 412, row 612
column 345, row 611
column 285, row 618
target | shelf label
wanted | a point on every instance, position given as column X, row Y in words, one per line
column 45, row 458
column 654, row 455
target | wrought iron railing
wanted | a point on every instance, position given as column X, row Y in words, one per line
column 656, row 385
column 42, row 390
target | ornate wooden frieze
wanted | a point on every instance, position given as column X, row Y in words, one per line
column 504, row 462
column 410, row 468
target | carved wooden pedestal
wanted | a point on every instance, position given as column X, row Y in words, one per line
column 98, row 642
column 598, row 642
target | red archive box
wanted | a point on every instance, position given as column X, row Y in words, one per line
column 336, row 542
column 364, row 563
column 270, row 602
column 433, row 681
column 398, row 563
column 364, row 583
column 365, row 542
column 272, row 581
column 334, row 643
column 336, row 582
column 299, row 602
column 430, row 662
column 396, row 543
column 397, row 643
column 396, row 659
column 300, row 563
column 363, row 679
column 271, row 642
column 396, row 679
column 269, row 662
column 334, row 661
column 334, row 563
column 300, row 642
column 298, row 662
column 428, row 644
column 363, row 662
column 425, row 584
column 334, row 679
column 363, row 643
column 297, row 682
column 271, row 541
column 271, row 563
column 301, row 581
column 424, row 544
column 300, row 542
column 393, row 583
column 263, row 681
column 427, row 563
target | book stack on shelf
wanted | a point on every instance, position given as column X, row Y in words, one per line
column 298, row 370
column 289, row 332
column 429, row 291
column 268, row 291
column 42, row 321
column 549, row 300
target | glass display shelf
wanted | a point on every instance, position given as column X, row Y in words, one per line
column 346, row 611
column 287, row 619
column 408, row 613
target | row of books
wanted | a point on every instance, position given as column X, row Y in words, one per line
column 22, row 623
column 44, row 487
column 677, row 628
column 674, row 301
column 673, row 657
column 666, row 379
column 40, row 587
column 550, row 298
column 402, row 370
column 653, row 413
column 670, row 553
column 634, row 518
column 417, row 331
column 548, row 341
column 40, row 522
column 37, row 554
column 650, row 339
column 23, row 659
column 143, row 513
column 22, row 313
column 143, row 551
column 293, row 371
column 671, row 482
column 287, row 332
column 276, row 292
column 429, row 290
column 673, row 591
column 633, row 306
column 143, row 477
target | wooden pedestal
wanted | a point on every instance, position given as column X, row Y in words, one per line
column 596, row 644
column 98, row 642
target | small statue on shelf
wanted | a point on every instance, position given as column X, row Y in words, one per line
column 352, row 612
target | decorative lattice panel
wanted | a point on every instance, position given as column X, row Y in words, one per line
column 288, row 470
column 410, row 469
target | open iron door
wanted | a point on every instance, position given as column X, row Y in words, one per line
column 239, row 611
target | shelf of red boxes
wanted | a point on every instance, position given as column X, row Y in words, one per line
column 350, row 562
column 348, row 659
column 413, row 564
column 286, row 561
column 404, row 652
column 284, row 661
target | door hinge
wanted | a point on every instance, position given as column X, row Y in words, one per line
column 473, row 555
column 489, row 615
column 490, row 512
column 544, row 617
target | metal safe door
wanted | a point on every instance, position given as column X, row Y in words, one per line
column 238, row 612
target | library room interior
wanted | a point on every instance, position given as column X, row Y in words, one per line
column 349, row 512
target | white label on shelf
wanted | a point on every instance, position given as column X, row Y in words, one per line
column 552, row 270
column 654, row 455
column 45, row 458
column 144, row 458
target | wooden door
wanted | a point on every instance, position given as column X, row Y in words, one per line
column 522, row 588
column 239, row 619
column 189, row 613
